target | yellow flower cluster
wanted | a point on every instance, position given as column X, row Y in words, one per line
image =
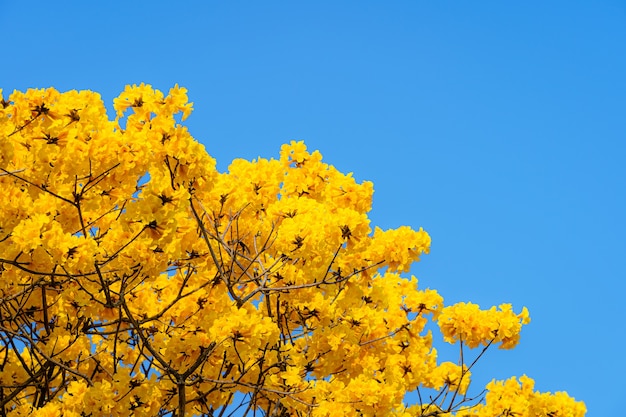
column 513, row 398
column 467, row 323
column 136, row 279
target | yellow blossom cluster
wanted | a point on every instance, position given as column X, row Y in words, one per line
column 513, row 398
column 136, row 279
column 467, row 323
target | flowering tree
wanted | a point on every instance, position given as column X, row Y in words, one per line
column 136, row 279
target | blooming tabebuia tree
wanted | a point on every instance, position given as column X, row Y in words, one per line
column 137, row 280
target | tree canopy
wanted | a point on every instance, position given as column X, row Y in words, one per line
column 136, row 279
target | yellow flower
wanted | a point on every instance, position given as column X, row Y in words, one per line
column 51, row 409
column 467, row 323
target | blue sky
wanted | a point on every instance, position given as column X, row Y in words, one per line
column 497, row 126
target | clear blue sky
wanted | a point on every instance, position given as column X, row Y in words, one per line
column 497, row 126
